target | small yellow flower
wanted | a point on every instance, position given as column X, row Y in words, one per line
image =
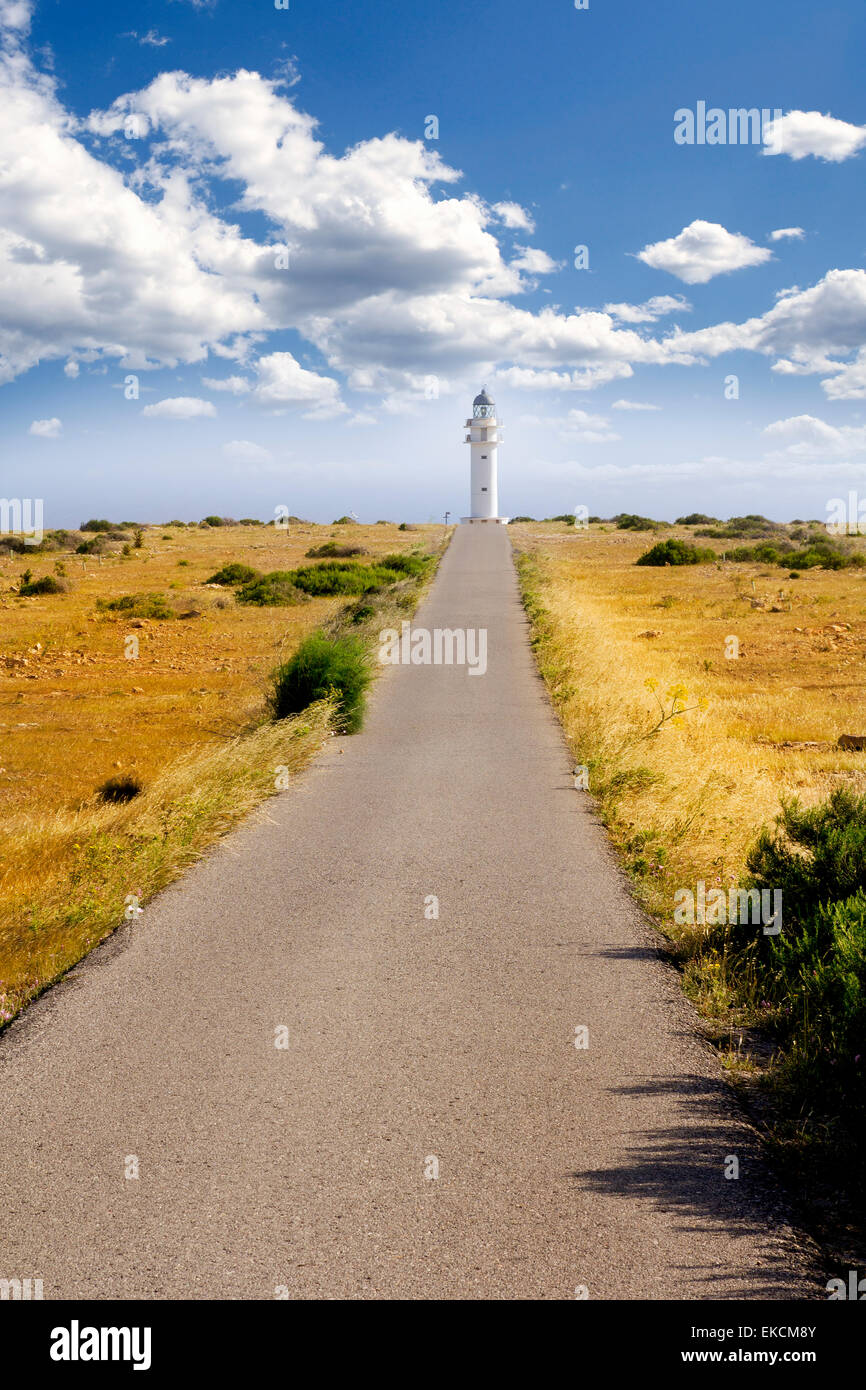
column 651, row 684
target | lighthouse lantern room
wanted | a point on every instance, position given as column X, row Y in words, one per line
column 484, row 439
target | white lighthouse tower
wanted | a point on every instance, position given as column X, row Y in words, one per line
column 484, row 439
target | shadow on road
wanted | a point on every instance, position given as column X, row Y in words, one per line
column 681, row 1171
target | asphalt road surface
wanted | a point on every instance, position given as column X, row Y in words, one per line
column 416, row 1044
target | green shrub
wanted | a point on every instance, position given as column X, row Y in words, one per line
column 675, row 552
column 324, row 666
column 274, row 590
column 343, row 577
column 334, row 551
column 628, row 521
column 97, row 524
column 46, row 585
column 817, row 854
column 697, row 519
column 414, row 565
column 137, row 606
column 233, row 573
column 751, row 527
column 812, row 974
column 344, row 521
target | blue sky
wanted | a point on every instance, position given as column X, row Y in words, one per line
column 242, row 208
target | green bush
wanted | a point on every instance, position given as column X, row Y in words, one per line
column 817, row 854
column 697, row 519
column 813, row 973
column 751, row 527
column 414, row 565
column 137, row 606
column 628, row 521
column 274, row 590
column 333, row 550
column 233, row 573
column 676, row 552
column 46, row 585
column 343, row 577
column 97, row 524
column 324, row 666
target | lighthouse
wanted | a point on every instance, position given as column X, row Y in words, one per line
column 484, row 439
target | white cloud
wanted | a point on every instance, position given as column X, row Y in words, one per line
column 586, row 428
column 514, row 216
column 71, row 369
column 362, row 417
column 533, row 261
column 703, row 250
column 803, row 133
column 244, row 451
column 634, row 405
column 237, row 385
column 283, row 381
column 46, row 429
column 787, row 233
column 648, row 312
column 806, row 436
column 15, row 15
column 806, row 331
column 180, row 408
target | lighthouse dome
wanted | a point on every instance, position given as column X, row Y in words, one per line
column 483, row 398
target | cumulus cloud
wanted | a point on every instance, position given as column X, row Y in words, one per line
column 803, row 133
column 283, row 381
column 71, row 369
column 533, row 261
column 179, row 408
column 586, row 428
column 113, row 252
column 787, row 233
column 244, row 451
column 634, row 405
column 513, row 216
column 703, row 250
column 806, row 331
column 15, row 15
column 236, row 385
column 807, row 436
column 648, row 312
column 46, row 429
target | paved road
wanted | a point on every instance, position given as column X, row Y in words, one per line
column 410, row 1039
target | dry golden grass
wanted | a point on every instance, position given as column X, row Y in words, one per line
column 687, row 802
column 186, row 719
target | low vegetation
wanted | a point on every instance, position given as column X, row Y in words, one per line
column 675, row 552
column 324, row 667
column 710, row 711
column 131, row 743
